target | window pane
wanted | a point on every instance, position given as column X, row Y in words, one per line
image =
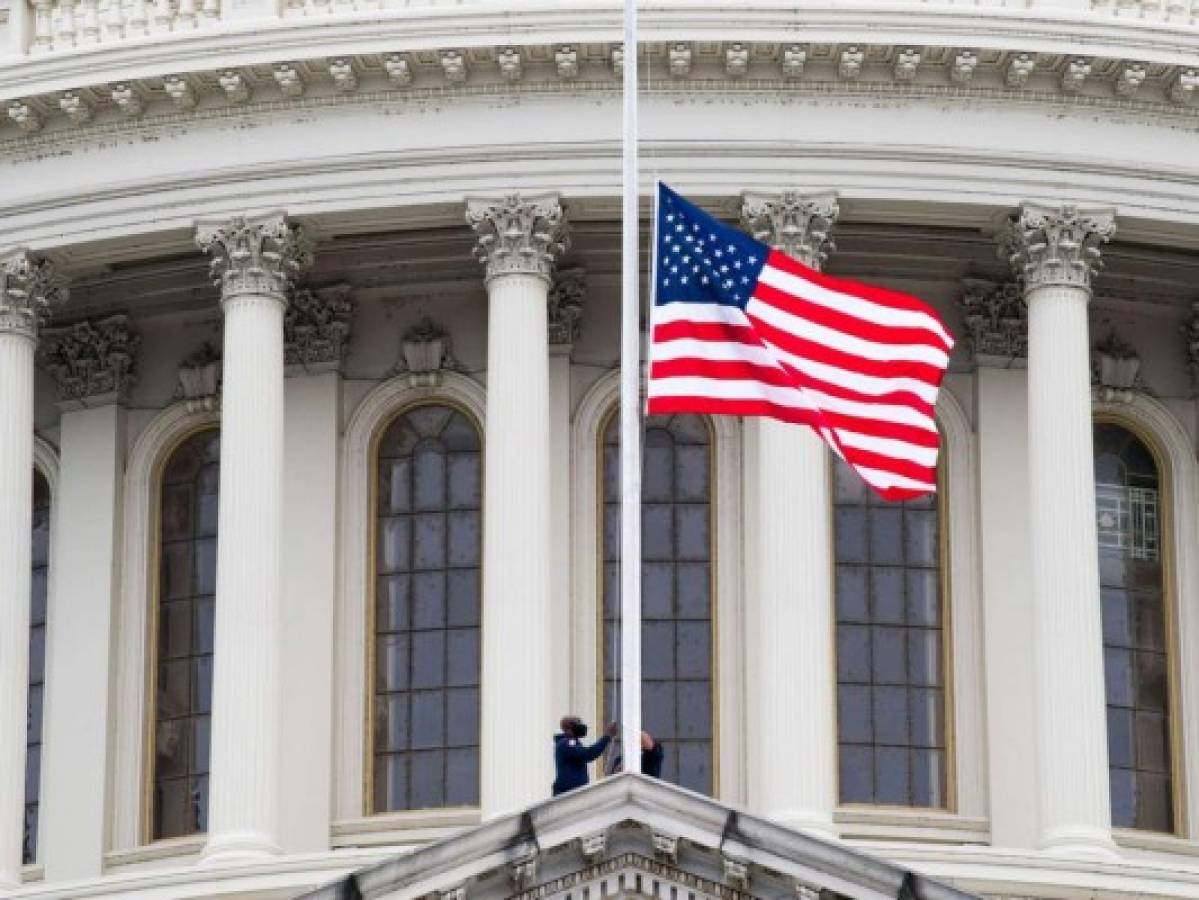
column 890, row 671
column 1133, row 607
column 187, row 585
column 676, row 631
column 427, row 601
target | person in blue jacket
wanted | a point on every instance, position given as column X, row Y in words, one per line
column 571, row 755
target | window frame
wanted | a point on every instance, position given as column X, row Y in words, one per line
column 150, row 706
column 605, row 421
column 948, row 658
column 371, row 598
column 1167, row 538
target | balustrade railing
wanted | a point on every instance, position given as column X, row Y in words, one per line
column 60, row 25
column 52, row 26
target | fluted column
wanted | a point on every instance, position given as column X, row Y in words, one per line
column 520, row 239
column 793, row 739
column 28, row 288
column 1056, row 251
column 253, row 262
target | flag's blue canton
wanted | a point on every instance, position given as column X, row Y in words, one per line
column 699, row 260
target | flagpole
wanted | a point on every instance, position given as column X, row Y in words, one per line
column 630, row 416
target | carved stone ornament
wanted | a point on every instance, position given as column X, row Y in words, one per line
column 30, row 287
column 93, row 362
column 1190, row 331
column 1116, row 370
column 566, row 306
column 1057, row 245
column 425, row 353
column 200, row 379
column 736, row 872
column 254, row 256
column 593, row 846
column 996, row 320
column 797, row 224
column 519, row 235
column 666, row 846
column 524, row 870
column 316, row 327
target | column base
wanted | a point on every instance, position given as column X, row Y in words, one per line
column 1080, row 842
column 234, row 847
column 809, row 823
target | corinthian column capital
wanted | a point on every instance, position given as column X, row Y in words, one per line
column 519, row 235
column 261, row 255
column 1058, row 245
column 794, row 223
column 30, row 286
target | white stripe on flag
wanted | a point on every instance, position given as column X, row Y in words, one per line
column 845, row 343
column 726, row 389
column 717, row 313
column 715, row 351
column 896, row 449
column 850, row 304
column 870, row 385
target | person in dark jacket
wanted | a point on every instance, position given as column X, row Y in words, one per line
column 652, row 755
column 571, row 755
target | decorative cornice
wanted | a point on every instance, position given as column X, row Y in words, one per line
column 93, row 362
column 996, row 320
column 519, row 235
column 565, row 314
column 260, row 255
column 316, row 327
column 1057, row 245
column 30, row 286
column 666, row 872
column 797, row 224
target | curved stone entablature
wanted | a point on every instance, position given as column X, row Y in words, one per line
column 287, row 74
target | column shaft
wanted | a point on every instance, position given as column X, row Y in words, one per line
column 560, row 487
column 245, row 692
column 16, row 512
column 796, row 741
column 1071, row 712
column 79, row 638
column 517, row 652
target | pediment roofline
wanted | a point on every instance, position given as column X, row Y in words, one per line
column 637, row 827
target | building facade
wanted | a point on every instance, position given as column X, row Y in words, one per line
column 309, row 344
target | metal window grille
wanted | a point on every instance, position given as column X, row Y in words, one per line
column 1127, row 520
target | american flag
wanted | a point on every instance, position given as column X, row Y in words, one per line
column 739, row 328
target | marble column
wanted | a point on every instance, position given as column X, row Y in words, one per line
column 29, row 287
column 1055, row 250
column 94, row 364
column 520, row 239
column 253, row 263
column 565, row 319
column 793, row 739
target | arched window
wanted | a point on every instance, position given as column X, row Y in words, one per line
column 37, row 659
column 891, row 658
column 677, row 634
column 426, row 631
column 1135, row 630
column 184, row 617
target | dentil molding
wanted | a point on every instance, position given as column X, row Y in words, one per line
column 292, row 78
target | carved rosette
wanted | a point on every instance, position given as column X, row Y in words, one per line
column 796, row 224
column 316, row 327
column 94, row 361
column 519, row 235
column 1057, row 246
column 566, row 306
column 261, row 255
column 30, row 287
column 996, row 320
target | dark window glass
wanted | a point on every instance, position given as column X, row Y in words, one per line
column 37, row 660
column 428, row 512
column 676, row 550
column 183, row 668
column 890, row 666
column 1134, row 630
